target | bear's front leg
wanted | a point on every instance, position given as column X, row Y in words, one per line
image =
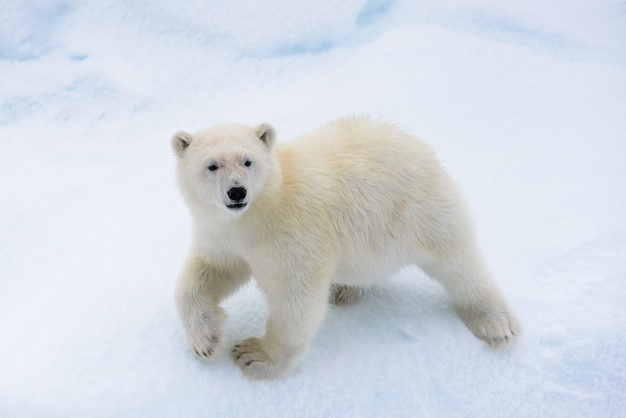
column 296, row 310
column 200, row 288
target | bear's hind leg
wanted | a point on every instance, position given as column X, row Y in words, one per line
column 476, row 298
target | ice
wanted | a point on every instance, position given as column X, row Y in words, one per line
column 525, row 103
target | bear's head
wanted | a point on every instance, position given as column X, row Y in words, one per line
column 225, row 166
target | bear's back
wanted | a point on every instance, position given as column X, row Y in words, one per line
column 367, row 180
column 362, row 155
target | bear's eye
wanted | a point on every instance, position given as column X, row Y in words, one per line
column 247, row 163
column 213, row 167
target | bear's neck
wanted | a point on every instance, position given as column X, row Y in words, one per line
column 271, row 193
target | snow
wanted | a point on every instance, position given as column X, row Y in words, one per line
column 525, row 103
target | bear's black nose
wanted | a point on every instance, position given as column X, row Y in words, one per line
column 237, row 193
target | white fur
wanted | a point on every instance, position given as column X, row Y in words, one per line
column 347, row 205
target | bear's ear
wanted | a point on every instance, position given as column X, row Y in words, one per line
column 266, row 133
column 180, row 141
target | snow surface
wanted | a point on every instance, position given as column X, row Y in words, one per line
column 525, row 103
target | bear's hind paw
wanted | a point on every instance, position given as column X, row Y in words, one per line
column 344, row 295
column 494, row 325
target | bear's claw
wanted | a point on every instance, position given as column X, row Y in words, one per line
column 204, row 337
column 251, row 358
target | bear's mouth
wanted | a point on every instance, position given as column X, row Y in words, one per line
column 237, row 205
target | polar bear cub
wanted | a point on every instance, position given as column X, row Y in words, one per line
column 320, row 218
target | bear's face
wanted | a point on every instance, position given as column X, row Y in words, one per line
column 225, row 166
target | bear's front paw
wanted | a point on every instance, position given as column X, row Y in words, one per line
column 204, row 335
column 493, row 324
column 253, row 360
